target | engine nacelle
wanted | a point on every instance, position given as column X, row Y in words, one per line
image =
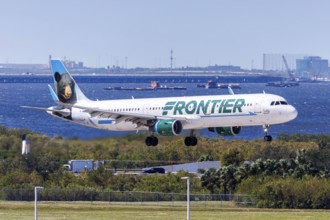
column 226, row 131
column 168, row 127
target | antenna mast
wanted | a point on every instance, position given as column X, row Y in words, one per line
column 171, row 59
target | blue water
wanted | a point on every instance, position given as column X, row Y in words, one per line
column 311, row 100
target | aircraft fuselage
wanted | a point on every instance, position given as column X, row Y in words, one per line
column 200, row 111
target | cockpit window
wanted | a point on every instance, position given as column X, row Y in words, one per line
column 278, row 103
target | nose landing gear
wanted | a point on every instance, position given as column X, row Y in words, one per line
column 267, row 137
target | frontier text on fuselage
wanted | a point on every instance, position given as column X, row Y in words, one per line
column 204, row 106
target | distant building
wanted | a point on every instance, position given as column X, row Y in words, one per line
column 73, row 64
column 23, row 69
column 25, row 145
column 274, row 62
column 312, row 66
column 22, row 66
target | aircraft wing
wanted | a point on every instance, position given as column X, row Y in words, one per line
column 127, row 115
column 136, row 118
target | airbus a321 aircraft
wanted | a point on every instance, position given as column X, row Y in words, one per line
column 223, row 114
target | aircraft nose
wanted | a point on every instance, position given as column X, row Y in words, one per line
column 292, row 112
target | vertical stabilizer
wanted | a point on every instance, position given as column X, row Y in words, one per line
column 66, row 88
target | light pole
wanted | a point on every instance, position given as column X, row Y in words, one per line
column 36, row 201
column 188, row 195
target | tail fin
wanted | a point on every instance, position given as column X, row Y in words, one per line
column 66, row 88
column 53, row 94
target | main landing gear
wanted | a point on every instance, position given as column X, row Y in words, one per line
column 151, row 141
column 191, row 140
column 188, row 141
column 267, row 137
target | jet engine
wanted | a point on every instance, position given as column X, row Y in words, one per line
column 168, row 127
column 226, row 131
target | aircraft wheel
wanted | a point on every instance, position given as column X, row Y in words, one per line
column 190, row 141
column 154, row 141
column 268, row 138
column 194, row 141
column 187, row 141
column 148, row 141
column 151, row 141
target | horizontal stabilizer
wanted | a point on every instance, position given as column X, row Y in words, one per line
column 61, row 111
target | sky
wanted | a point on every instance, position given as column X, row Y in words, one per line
column 141, row 33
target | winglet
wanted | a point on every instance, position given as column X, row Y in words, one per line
column 231, row 92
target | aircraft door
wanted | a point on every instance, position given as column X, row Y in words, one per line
column 257, row 106
column 146, row 108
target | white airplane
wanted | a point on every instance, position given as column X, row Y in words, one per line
column 223, row 114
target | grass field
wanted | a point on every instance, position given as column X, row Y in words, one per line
column 100, row 211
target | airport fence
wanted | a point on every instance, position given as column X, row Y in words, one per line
column 129, row 197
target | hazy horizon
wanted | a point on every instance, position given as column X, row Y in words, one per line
column 142, row 33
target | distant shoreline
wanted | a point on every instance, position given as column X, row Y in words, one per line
column 129, row 74
column 105, row 78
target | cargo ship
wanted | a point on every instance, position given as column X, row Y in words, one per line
column 287, row 83
column 154, row 85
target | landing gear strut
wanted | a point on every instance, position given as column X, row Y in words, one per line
column 267, row 137
column 191, row 140
column 151, row 141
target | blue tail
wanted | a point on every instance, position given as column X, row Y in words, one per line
column 66, row 88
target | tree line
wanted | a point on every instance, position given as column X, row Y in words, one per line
column 290, row 172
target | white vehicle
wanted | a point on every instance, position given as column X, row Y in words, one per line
column 78, row 166
column 223, row 114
